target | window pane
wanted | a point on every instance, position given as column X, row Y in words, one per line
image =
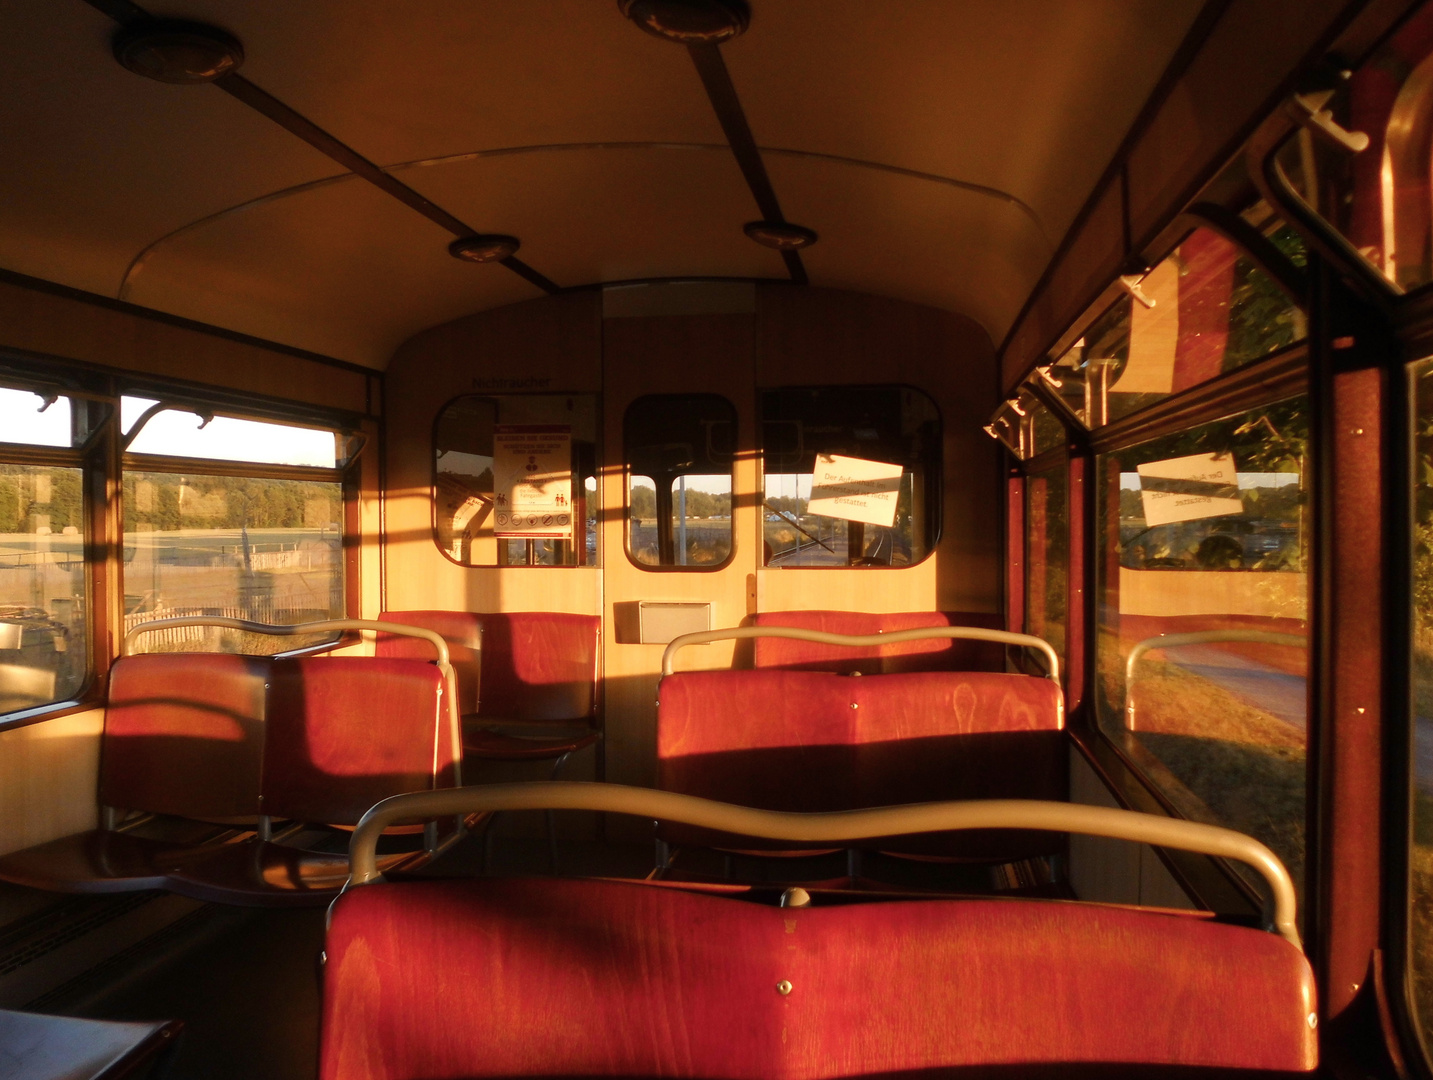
column 679, row 450
column 25, row 418
column 44, row 654
column 1203, row 619
column 851, row 476
column 266, row 550
column 1421, row 861
column 1047, row 562
column 1209, row 311
column 179, row 433
column 541, row 449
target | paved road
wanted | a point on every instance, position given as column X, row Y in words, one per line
column 1267, row 688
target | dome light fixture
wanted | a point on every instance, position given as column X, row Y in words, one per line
column 780, row 235
column 481, row 249
column 183, row 53
column 689, row 22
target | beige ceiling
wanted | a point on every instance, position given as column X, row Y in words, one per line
column 940, row 148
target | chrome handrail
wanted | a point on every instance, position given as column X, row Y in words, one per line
column 1197, row 637
column 839, row 828
column 322, row 626
column 822, row 637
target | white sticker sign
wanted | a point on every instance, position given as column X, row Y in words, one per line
column 532, row 482
column 854, row 489
column 1189, row 488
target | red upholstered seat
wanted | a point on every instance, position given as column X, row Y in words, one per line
column 584, row 978
column 183, row 736
column 343, row 734
column 932, row 655
column 810, row 741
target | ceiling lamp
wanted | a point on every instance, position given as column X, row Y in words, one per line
column 689, row 22
column 177, row 52
column 481, row 249
column 781, row 235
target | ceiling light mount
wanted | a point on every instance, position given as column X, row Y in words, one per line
column 689, row 22
column 482, row 249
column 780, row 235
column 173, row 51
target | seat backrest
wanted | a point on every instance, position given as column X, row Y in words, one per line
column 812, row 741
column 535, row 665
column 346, row 732
column 462, row 630
column 933, row 655
column 184, row 735
column 589, row 978
column 539, row 665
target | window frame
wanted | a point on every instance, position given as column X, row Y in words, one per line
column 595, row 563
column 627, row 474
column 935, row 507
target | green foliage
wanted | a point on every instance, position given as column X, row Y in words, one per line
column 165, row 502
column 30, row 494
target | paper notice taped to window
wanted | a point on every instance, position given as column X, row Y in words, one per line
column 1189, row 488
column 854, row 489
column 532, row 482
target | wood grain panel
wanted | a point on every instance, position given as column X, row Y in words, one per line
column 669, row 354
column 823, row 337
column 546, row 345
column 62, row 326
column 49, row 779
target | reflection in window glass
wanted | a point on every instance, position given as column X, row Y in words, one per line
column 887, row 439
column 1203, row 619
column 680, row 449
column 1421, row 861
column 1047, row 560
column 1378, row 198
column 1046, row 431
column 1207, row 310
column 183, row 433
column 474, row 522
column 261, row 549
column 29, row 418
column 43, row 648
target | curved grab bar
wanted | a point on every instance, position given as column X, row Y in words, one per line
column 970, row 633
column 1198, row 637
column 839, row 827
column 323, row 626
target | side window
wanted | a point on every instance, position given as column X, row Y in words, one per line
column 515, row 480
column 852, row 476
column 1203, row 311
column 1047, row 555
column 679, row 451
column 226, row 516
column 44, row 590
column 1421, row 751
column 1203, row 546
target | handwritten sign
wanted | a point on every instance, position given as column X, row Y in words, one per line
column 854, row 489
column 1189, row 488
column 532, row 482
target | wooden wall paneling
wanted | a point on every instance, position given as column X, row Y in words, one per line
column 1263, row 40
column 816, row 337
column 49, row 779
column 540, row 346
column 656, row 355
column 43, row 322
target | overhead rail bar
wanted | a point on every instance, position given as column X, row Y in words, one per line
column 323, row 626
column 840, row 828
column 1198, row 637
column 858, row 641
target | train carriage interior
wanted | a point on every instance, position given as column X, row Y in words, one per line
column 716, row 538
